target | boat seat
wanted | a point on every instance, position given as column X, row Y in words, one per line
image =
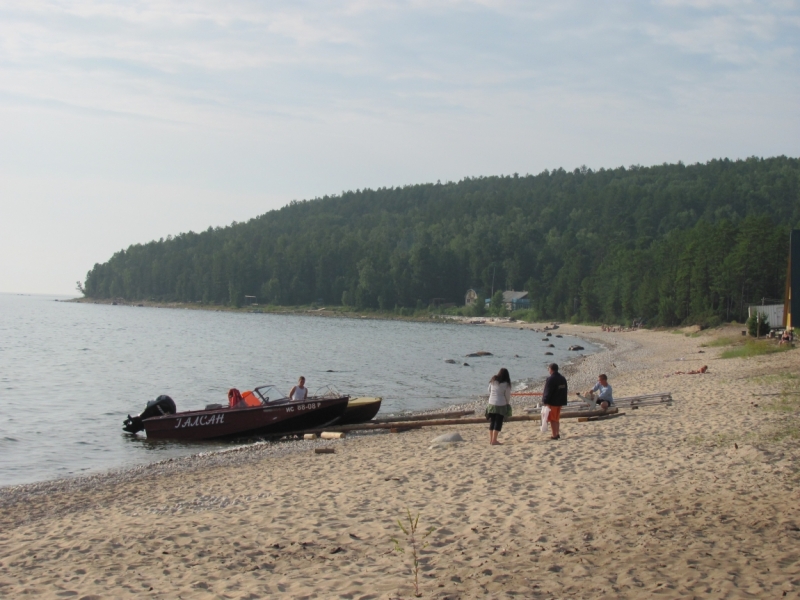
column 250, row 399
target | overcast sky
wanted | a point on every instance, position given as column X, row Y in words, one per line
column 122, row 122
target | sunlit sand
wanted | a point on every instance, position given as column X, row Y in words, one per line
column 697, row 499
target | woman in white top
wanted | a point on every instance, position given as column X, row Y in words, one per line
column 499, row 406
column 299, row 392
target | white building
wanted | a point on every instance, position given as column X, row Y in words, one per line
column 773, row 312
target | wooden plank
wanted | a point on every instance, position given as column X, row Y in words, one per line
column 653, row 395
column 429, row 417
column 446, row 422
column 331, row 435
column 599, row 417
column 324, row 451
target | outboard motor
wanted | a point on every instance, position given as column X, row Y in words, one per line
column 163, row 405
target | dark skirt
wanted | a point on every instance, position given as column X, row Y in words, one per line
column 504, row 410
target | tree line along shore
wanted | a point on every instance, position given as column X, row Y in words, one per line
column 669, row 244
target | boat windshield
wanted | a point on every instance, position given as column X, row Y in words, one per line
column 269, row 393
column 327, row 391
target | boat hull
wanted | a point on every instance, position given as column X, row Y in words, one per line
column 271, row 419
column 360, row 410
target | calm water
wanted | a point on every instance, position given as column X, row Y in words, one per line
column 70, row 373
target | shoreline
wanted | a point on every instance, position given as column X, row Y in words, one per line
column 254, row 450
column 452, row 398
column 340, row 312
column 272, row 310
column 694, row 499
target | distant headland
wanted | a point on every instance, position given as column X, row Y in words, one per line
column 661, row 245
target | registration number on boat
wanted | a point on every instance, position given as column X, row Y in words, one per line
column 300, row 407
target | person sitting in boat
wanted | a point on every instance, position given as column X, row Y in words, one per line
column 601, row 392
column 300, row 391
column 235, row 399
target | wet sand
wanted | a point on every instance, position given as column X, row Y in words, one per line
column 694, row 500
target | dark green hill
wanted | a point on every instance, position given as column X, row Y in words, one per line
column 670, row 244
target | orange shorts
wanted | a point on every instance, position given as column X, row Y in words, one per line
column 555, row 414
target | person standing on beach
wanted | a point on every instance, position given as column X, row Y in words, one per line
column 499, row 406
column 555, row 396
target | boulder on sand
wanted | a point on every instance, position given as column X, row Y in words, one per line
column 446, row 440
column 448, row 437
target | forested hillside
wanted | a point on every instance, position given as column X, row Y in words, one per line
column 669, row 244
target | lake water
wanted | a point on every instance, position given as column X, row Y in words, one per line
column 70, row 373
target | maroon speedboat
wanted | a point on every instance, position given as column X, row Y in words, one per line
column 273, row 414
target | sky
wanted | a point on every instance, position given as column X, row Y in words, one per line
column 123, row 122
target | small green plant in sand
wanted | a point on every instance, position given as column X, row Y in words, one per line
column 754, row 348
column 415, row 543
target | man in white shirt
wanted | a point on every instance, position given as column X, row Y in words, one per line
column 300, row 391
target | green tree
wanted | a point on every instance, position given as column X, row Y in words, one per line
column 496, row 303
column 234, row 295
column 757, row 324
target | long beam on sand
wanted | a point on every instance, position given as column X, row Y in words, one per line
column 428, row 417
column 445, row 422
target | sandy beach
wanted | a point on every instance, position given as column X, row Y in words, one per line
column 697, row 499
